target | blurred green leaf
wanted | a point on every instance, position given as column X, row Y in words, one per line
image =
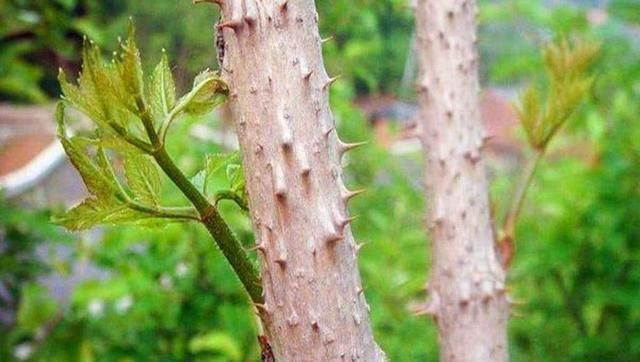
column 628, row 10
column 36, row 307
column 217, row 342
column 569, row 82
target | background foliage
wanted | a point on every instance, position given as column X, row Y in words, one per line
column 167, row 295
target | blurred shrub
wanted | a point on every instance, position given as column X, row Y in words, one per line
column 370, row 41
column 626, row 9
column 576, row 267
column 37, row 37
column 24, row 305
column 168, row 295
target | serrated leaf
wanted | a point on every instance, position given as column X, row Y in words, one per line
column 83, row 97
column 112, row 141
column 209, row 91
column 235, row 176
column 569, row 82
column 97, row 184
column 529, row 112
column 93, row 212
column 100, row 93
column 161, row 90
column 218, row 342
column 218, row 161
column 215, row 163
column 198, row 180
column 130, row 67
column 143, row 178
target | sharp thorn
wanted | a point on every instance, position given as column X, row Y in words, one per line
column 281, row 262
column 359, row 246
column 351, row 194
column 259, row 247
column 330, row 81
column 264, row 308
column 328, row 132
column 324, row 40
column 345, row 222
column 332, row 238
column 345, row 147
column 232, row 24
column 307, row 75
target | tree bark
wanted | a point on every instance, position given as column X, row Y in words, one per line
column 314, row 308
column 467, row 285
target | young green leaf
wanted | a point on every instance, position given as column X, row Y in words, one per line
column 84, row 97
column 235, row 176
column 162, row 90
column 109, row 203
column 198, row 181
column 208, row 92
column 569, row 82
column 130, row 68
column 93, row 178
column 529, row 113
column 93, row 212
column 215, row 163
column 143, row 178
column 100, row 93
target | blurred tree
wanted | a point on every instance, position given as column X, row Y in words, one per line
column 467, row 284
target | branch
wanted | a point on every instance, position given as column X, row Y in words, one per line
column 209, row 215
column 179, row 107
column 230, row 195
column 122, row 132
column 166, row 212
column 505, row 241
column 520, row 194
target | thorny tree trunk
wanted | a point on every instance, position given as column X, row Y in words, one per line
column 467, row 292
column 314, row 308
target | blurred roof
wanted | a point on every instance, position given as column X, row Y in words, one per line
column 29, row 149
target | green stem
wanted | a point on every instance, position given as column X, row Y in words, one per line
column 520, row 193
column 122, row 132
column 179, row 107
column 209, row 215
column 217, row 227
column 230, row 195
column 162, row 211
column 166, row 212
column 147, row 122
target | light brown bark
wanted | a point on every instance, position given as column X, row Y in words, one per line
column 314, row 308
column 467, row 286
